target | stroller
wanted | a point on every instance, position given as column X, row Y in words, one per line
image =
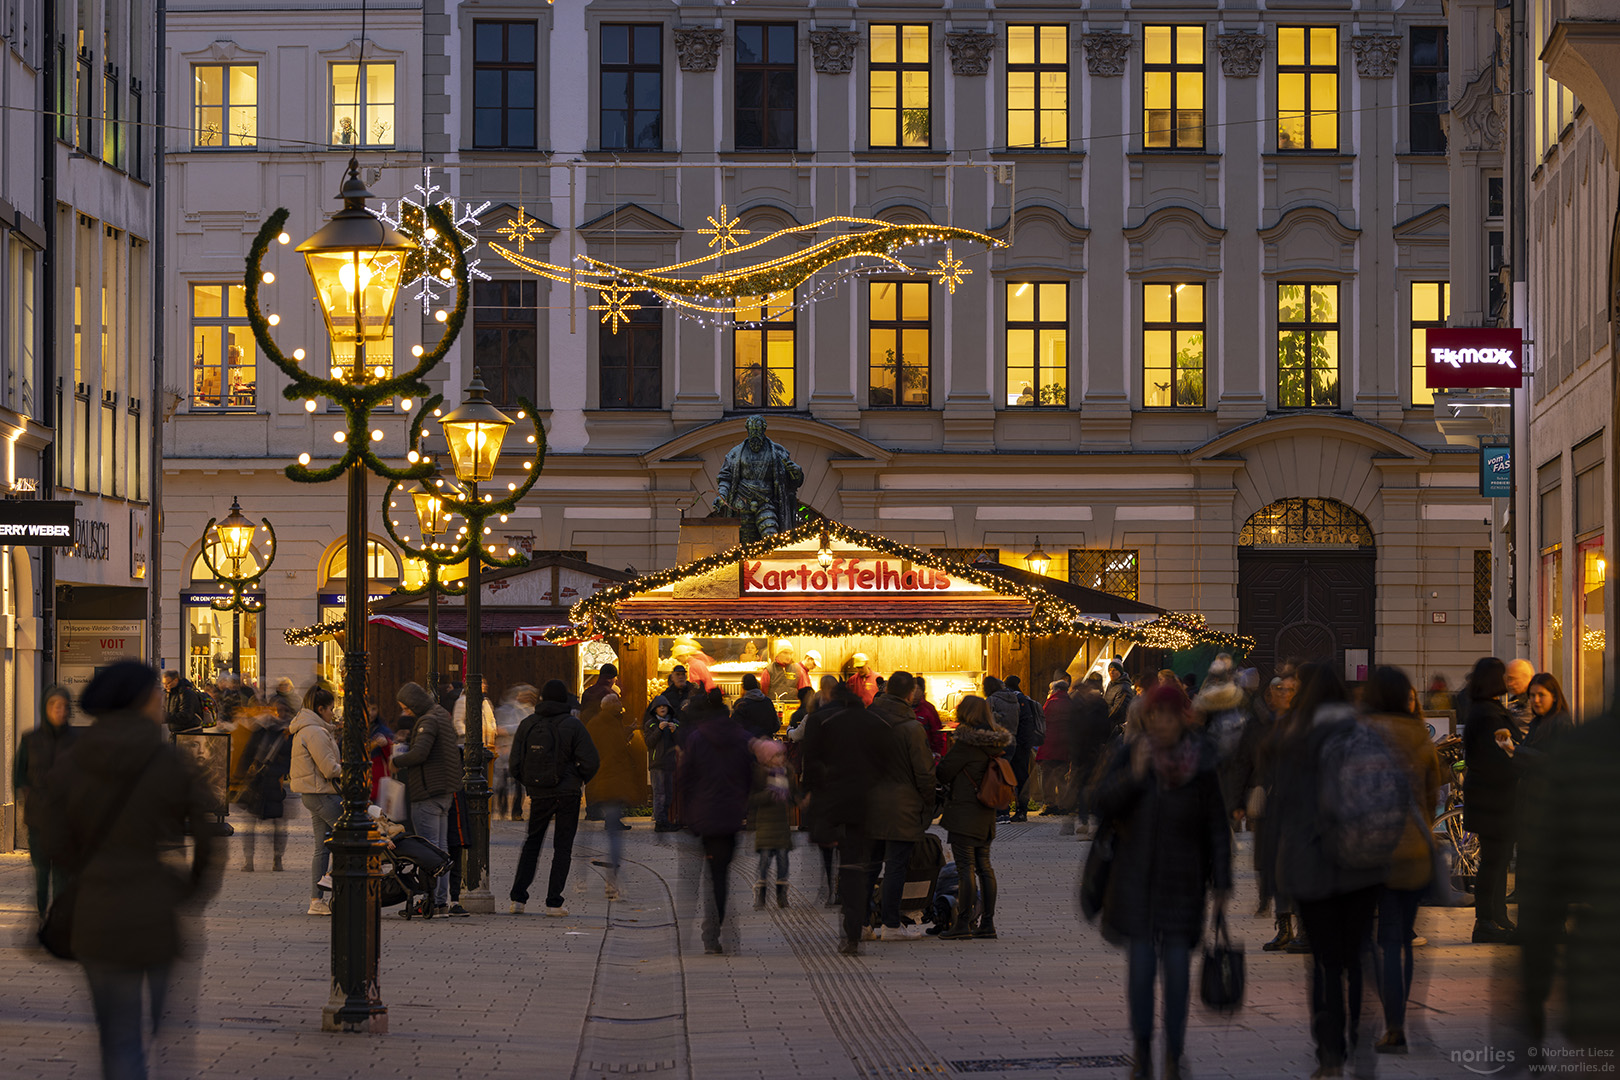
column 922, row 873
column 411, row 867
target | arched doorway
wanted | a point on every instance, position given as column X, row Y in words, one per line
column 1306, row 584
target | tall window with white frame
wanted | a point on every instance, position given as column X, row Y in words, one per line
column 1038, row 87
column 363, row 105
column 1173, row 345
column 632, row 86
column 898, row 76
column 223, row 369
column 1307, row 88
column 1307, row 345
column 631, row 360
column 898, row 328
column 1431, row 307
column 226, row 111
column 1173, row 87
column 767, row 86
column 504, row 85
column 506, row 337
column 1037, row 343
column 762, row 349
column 1427, row 89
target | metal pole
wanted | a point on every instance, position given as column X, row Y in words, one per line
column 356, row 1001
column 475, row 894
column 236, row 638
column 433, row 630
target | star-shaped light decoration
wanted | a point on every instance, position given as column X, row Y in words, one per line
column 522, row 229
column 951, row 271
column 725, row 231
column 616, row 306
column 429, row 266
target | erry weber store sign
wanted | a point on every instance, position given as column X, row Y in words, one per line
column 30, row 523
column 1474, row 358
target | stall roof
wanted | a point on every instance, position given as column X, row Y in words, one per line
column 773, row 586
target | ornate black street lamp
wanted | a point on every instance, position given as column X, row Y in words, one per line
column 234, row 537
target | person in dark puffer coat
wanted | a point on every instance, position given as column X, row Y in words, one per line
column 969, row 824
column 37, row 755
column 430, row 766
column 714, row 779
column 576, row 762
column 1162, row 799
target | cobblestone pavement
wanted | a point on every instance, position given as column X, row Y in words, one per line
column 625, row 989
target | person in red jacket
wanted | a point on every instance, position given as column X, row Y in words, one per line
column 687, row 653
column 863, row 680
column 1057, row 783
column 928, row 716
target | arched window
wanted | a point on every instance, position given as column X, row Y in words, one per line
column 1314, row 523
column 381, row 563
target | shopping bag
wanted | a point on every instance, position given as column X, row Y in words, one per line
column 1220, row 984
column 391, row 798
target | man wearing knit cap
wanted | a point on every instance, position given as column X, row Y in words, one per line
column 781, row 679
column 431, row 770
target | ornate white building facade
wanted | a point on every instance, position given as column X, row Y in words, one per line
column 1189, row 374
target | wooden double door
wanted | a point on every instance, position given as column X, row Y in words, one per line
column 1307, row 605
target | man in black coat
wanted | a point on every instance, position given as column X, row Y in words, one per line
column 554, row 758
column 1026, row 740
column 843, row 745
column 1089, row 734
column 182, row 704
column 1119, row 694
column 754, row 711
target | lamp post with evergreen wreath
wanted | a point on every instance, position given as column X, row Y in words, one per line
column 357, row 263
column 474, row 433
column 234, row 536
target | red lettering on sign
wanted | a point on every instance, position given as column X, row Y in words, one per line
column 908, row 580
column 887, row 578
column 112, row 643
column 941, row 581
column 818, row 581
column 749, row 581
column 865, row 579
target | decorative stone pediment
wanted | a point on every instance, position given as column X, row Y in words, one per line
column 1309, row 238
column 1175, row 238
column 697, row 48
column 1376, row 55
column 350, row 51
column 1432, row 226
column 501, row 224
column 833, row 50
column 1241, row 53
column 224, row 51
column 1476, row 117
column 1106, row 51
column 970, row 51
column 630, row 223
column 1040, row 237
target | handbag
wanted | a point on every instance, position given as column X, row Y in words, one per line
column 1094, row 876
column 56, row 931
column 1440, row 892
column 1220, row 984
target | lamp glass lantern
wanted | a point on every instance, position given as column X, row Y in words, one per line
column 474, row 431
column 430, row 512
column 357, row 263
column 1038, row 560
column 236, row 533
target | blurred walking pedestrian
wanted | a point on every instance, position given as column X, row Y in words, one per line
column 1161, row 798
column 845, row 745
column 614, row 786
column 119, row 802
column 970, row 825
column 314, row 767
column 37, row 755
column 714, row 779
column 902, row 803
column 1490, row 795
column 554, row 757
column 1052, row 756
column 262, row 781
column 771, row 801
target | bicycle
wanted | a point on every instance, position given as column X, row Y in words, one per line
column 1460, row 846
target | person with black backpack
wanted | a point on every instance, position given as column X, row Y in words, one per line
column 553, row 757
column 1028, row 737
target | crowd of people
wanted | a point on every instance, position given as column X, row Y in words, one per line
column 1339, row 787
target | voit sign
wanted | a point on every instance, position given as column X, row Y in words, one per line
column 1474, row 358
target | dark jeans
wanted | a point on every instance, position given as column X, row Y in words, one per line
column 779, row 856
column 854, row 881
column 117, row 994
column 1021, row 757
column 49, row 879
column 1146, row 957
column 1490, row 888
column 565, row 808
column 975, row 881
column 717, row 853
column 890, row 857
column 1338, row 928
column 1397, row 913
column 663, row 790
column 276, row 827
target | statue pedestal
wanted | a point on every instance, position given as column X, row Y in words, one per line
column 702, row 537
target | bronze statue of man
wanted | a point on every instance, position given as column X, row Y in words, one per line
column 759, row 483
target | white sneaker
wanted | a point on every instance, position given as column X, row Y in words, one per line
column 517, row 908
column 869, row 933
column 319, row 907
column 556, row 912
column 914, row 932
column 891, row 933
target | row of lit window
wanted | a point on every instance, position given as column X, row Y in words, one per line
column 899, row 89
column 899, row 346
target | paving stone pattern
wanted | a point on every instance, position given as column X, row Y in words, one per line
column 623, row 988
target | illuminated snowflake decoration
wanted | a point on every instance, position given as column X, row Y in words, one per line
column 951, row 272
column 725, row 231
column 428, row 268
column 522, row 229
column 615, row 306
